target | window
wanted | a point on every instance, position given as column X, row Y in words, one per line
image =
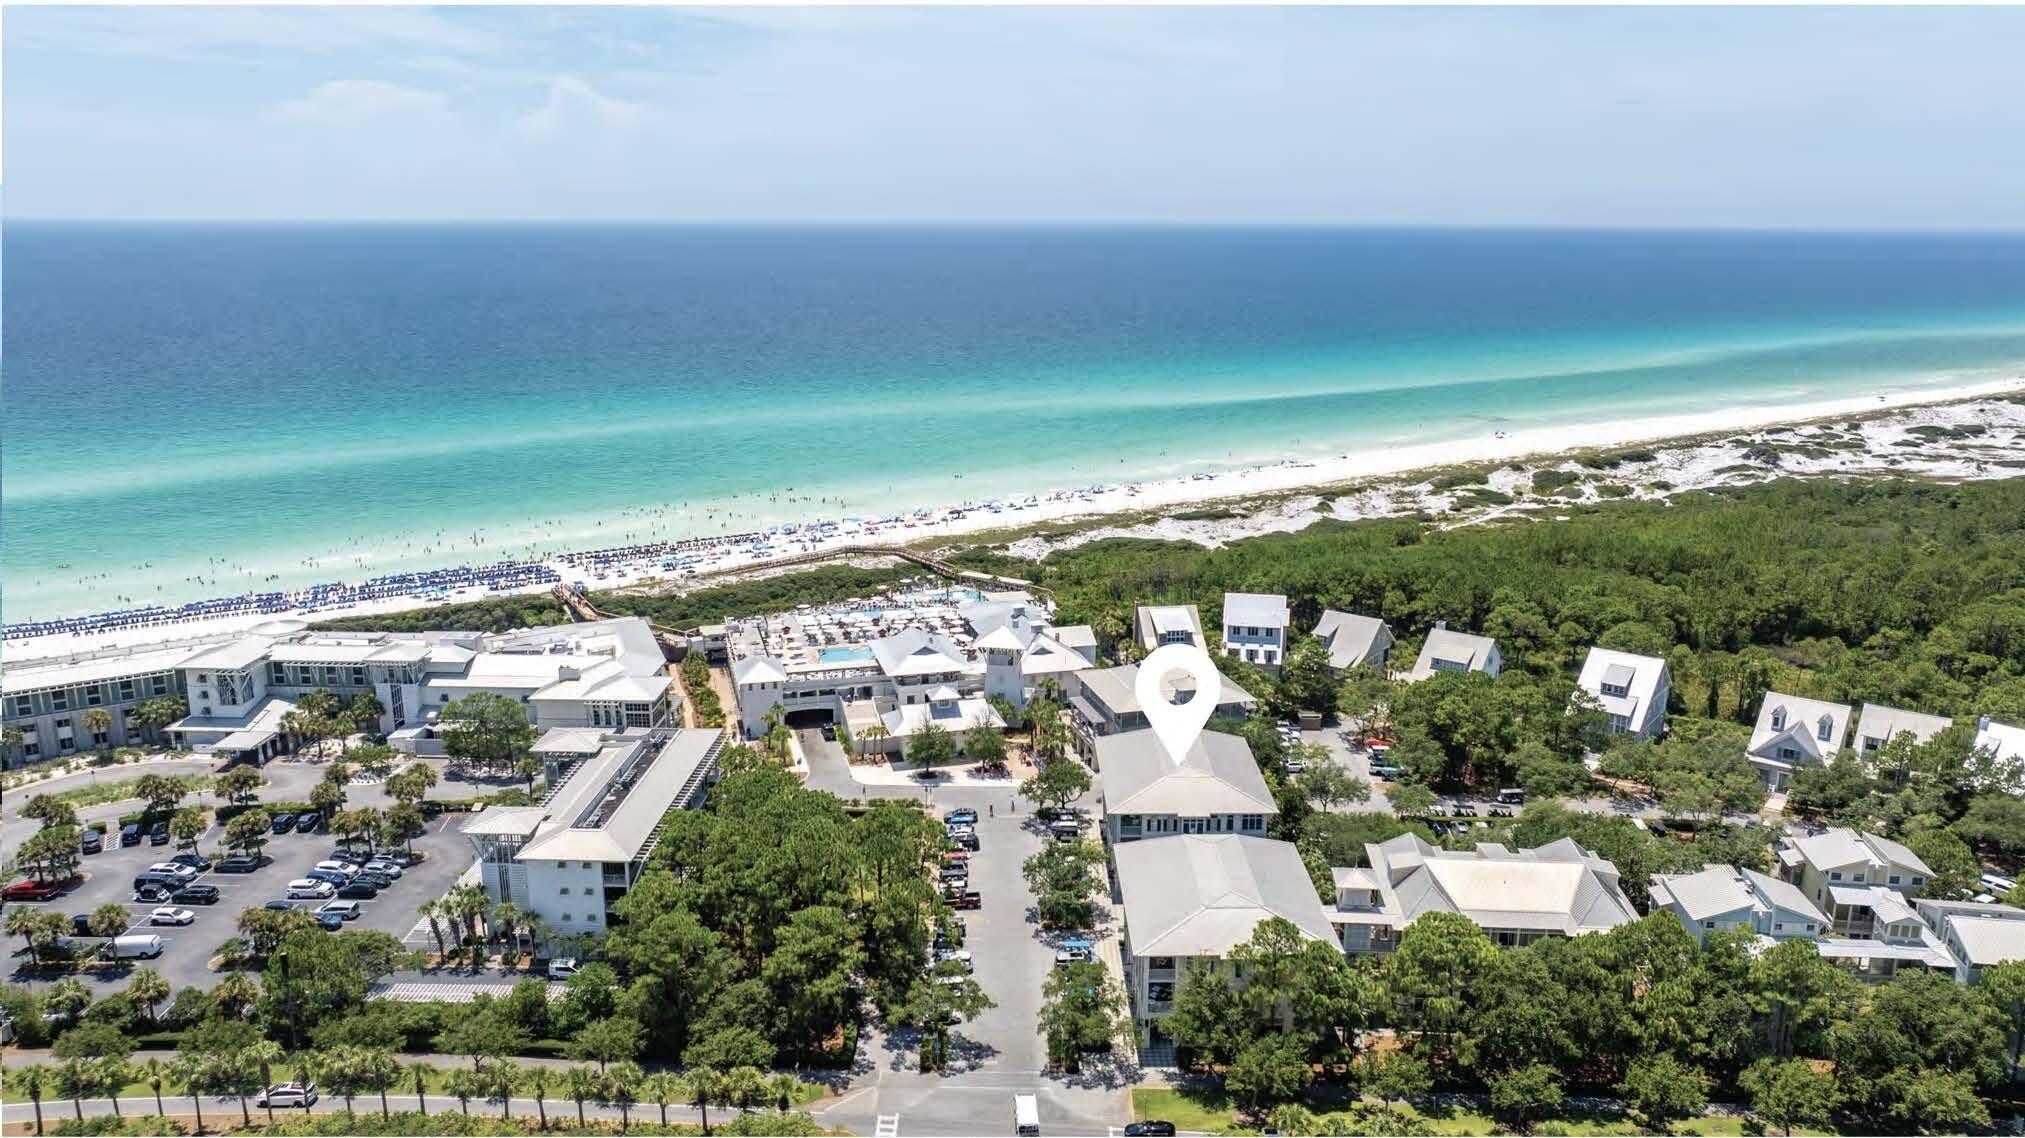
column 1778, row 926
column 1894, row 879
column 1160, row 962
column 1778, row 719
column 1835, row 875
column 564, row 892
column 1192, row 825
column 23, row 705
column 1253, row 821
column 1618, row 690
column 277, row 673
column 565, row 918
column 94, row 695
column 59, row 699
column 1708, row 924
column 1918, row 880
column 126, row 690
column 1824, row 728
column 30, row 746
column 161, row 685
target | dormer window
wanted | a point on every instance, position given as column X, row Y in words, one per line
column 1618, row 690
column 1824, row 728
column 1778, row 719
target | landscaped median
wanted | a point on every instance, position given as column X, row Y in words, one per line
column 1211, row 1111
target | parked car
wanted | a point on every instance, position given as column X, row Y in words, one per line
column 134, row 945
column 383, row 867
column 29, row 891
column 359, row 891
column 403, row 858
column 347, row 868
column 1065, row 830
column 330, row 922
column 149, row 894
column 92, row 842
column 968, row 899
column 237, row 863
column 955, row 872
column 174, row 869
column 196, row 895
column 167, row 883
column 307, row 887
column 80, row 925
column 198, row 862
column 304, row 823
column 961, row 814
column 330, row 877
column 284, row 822
column 563, row 969
column 960, row 955
column 170, row 915
column 346, row 910
column 158, row 834
column 288, row 1094
column 281, row 906
column 965, row 840
column 1151, row 1128
column 130, row 834
column 1073, row 951
column 376, row 880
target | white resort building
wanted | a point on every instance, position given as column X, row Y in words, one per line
column 1216, row 789
column 46, row 700
column 568, row 859
column 1190, row 899
column 1446, row 650
column 1632, row 690
column 1723, row 897
column 1516, row 896
column 1354, row 640
column 1792, row 732
column 1870, row 930
column 1255, row 627
column 1843, row 858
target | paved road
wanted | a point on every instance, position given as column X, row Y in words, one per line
column 55, row 1110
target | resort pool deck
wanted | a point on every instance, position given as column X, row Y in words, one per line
column 843, row 655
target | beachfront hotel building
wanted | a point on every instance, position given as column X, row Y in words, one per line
column 1255, row 627
column 46, row 700
column 605, row 674
column 568, row 859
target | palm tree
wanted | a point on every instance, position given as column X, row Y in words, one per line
column 31, row 1083
column 661, row 1088
column 153, row 1072
column 420, row 1073
column 78, row 1078
column 10, row 741
column 537, row 1084
column 745, row 1086
column 378, row 1071
column 433, row 911
column 26, row 923
column 581, row 1083
column 463, row 1084
column 147, row 988
column 782, row 1090
column 501, row 1076
column 504, row 920
column 113, row 1072
column 705, row 1085
column 99, row 721
column 265, row 1053
column 871, row 737
column 190, row 1073
column 622, row 1086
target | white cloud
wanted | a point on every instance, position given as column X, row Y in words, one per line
column 358, row 102
column 573, row 104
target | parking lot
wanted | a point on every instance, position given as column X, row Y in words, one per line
column 188, row 949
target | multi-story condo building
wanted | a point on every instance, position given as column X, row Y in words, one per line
column 47, row 700
column 1446, row 650
column 1354, row 640
column 1516, row 896
column 1155, row 625
column 1978, row 936
column 1793, row 731
column 1255, row 628
column 1190, row 899
column 1105, row 701
column 569, row 859
column 1879, row 725
column 1215, row 789
column 1870, row 930
column 1632, row 690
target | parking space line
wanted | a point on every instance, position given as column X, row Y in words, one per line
column 888, row 1127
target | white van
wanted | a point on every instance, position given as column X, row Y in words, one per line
column 1026, row 1115
column 135, row 945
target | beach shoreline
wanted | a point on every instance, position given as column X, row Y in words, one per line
column 1261, row 498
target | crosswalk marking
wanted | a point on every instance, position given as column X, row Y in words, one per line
column 889, row 1126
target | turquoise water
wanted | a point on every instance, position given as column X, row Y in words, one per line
column 195, row 410
column 843, row 655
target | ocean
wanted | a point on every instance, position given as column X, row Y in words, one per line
column 194, row 410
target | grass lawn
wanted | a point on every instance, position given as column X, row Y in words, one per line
column 1213, row 1112
column 118, row 790
column 1209, row 1111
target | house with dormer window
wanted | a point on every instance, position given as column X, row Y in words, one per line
column 1793, row 731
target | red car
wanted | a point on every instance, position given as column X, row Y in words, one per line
column 28, row 891
column 969, row 899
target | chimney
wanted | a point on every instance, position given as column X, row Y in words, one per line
column 1982, row 724
column 1442, row 624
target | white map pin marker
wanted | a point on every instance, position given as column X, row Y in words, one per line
column 1177, row 725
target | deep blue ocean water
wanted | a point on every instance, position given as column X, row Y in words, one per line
column 269, row 394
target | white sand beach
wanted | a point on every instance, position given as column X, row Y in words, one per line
column 1689, row 452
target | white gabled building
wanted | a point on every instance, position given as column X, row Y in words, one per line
column 1515, row 896
column 1255, row 627
column 569, row 859
column 1879, row 725
column 1105, row 701
column 1722, row 897
column 1216, row 789
column 1632, row 690
column 1190, row 899
column 2004, row 743
column 1977, row 935
column 1446, row 650
column 1155, row 625
column 1354, row 640
column 1793, row 731
column 1841, row 857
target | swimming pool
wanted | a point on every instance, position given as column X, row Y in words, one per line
column 843, row 655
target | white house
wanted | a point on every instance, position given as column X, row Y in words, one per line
column 569, row 859
column 1190, row 899
column 1724, row 897
column 1516, row 896
column 1793, row 731
column 2004, row 743
column 1354, row 640
column 1155, row 625
column 1105, row 701
column 1216, row 789
column 1878, row 725
column 1977, row 935
column 1839, row 856
column 1632, row 690
column 1255, row 628
column 1446, row 650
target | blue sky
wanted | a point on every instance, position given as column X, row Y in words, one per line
column 1832, row 118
